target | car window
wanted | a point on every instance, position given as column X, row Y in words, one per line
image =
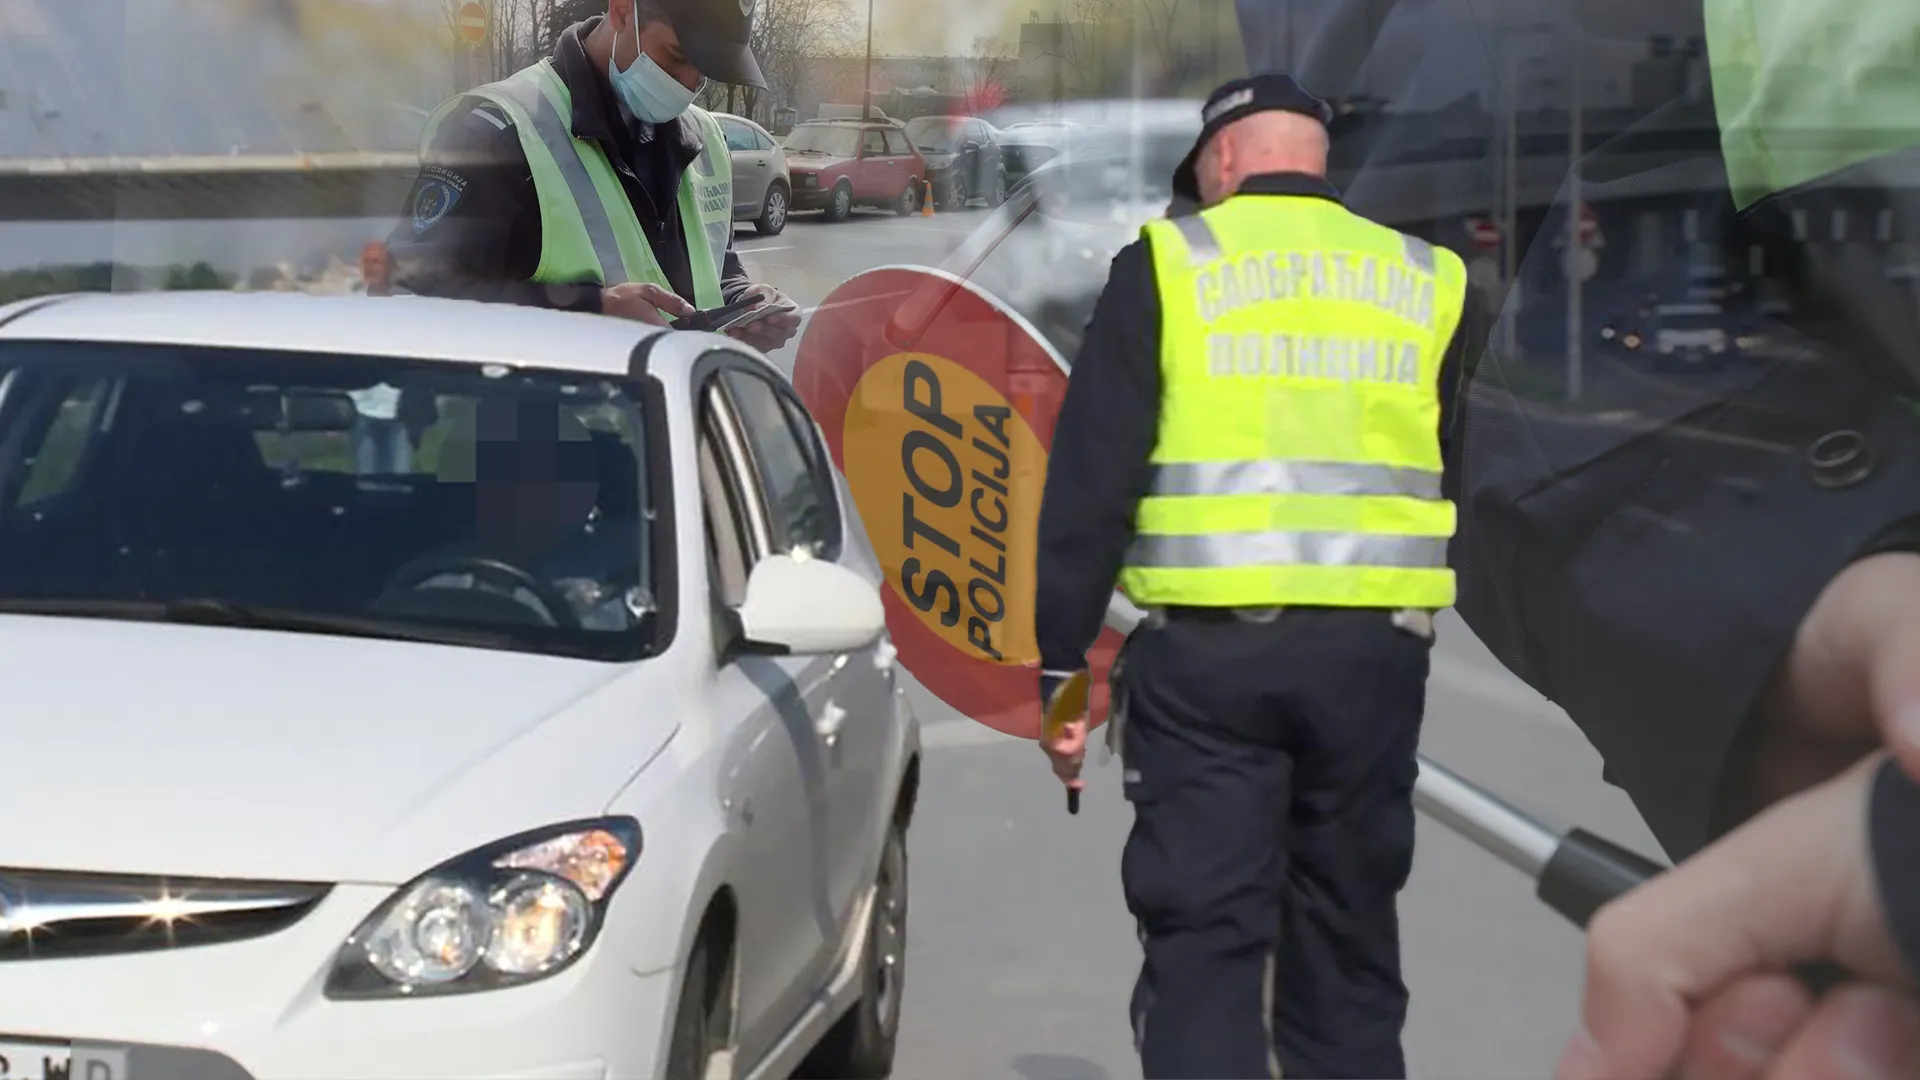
column 898, row 143
column 56, row 458
column 347, row 488
column 790, row 465
column 875, row 144
column 977, row 131
column 833, row 140
column 739, row 136
column 762, row 141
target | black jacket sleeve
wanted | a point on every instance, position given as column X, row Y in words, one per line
column 471, row 226
column 1097, row 470
column 733, row 276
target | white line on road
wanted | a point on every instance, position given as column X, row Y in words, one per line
column 758, row 250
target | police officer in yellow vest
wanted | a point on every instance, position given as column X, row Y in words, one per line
column 1252, row 443
column 590, row 181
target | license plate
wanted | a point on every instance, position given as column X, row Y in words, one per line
column 35, row 1060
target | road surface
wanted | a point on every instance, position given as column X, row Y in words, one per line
column 1021, row 951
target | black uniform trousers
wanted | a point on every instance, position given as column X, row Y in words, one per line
column 1271, row 769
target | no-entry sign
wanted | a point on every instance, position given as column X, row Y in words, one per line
column 938, row 404
column 472, row 20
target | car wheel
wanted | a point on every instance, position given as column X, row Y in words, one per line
column 999, row 193
column 861, row 1045
column 957, row 194
column 692, row 1045
column 840, row 204
column 909, row 200
column 773, row 216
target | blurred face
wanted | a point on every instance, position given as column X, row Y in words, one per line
column 532, row 496
column 656, row 39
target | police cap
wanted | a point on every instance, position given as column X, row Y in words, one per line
column 1238, row 100
column 714, row 34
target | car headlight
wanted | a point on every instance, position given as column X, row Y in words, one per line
column 509, row 913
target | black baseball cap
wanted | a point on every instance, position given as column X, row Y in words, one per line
column 1238, row 100
column 715, row 34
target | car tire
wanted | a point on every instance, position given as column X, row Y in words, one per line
column 692, row 1044
column 861, row 1045
column 957, row 193
column 909, row 200
column 840, row 203
column 998, row 194
column 773, row 215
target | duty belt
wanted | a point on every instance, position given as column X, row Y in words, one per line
column 1414, row 620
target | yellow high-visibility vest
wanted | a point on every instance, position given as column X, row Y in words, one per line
column 1298, row 459
column 588, row 229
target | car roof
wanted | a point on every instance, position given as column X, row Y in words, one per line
column 836, row 121
column 736, row 116
column 415, row 327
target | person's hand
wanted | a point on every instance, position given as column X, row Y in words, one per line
column 644, row 302
column 1685, row 975
column 1065, row 746
column 773, row 331
column 1850, row 684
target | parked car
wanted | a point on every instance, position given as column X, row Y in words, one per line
column 1051, row 263
column 762, row 187
column 840, row 164
column 1029, row 144
column 333, row 782
column 963, row 159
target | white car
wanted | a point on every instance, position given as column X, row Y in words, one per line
column 537, row 721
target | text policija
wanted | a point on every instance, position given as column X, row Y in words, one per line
column 935, row 474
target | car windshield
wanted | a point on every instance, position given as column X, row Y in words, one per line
column 831, row 139
column 369, row 496
column 936, row 134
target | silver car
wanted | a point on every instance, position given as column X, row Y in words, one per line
column 762, row 188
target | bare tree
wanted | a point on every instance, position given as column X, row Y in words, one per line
column 987, row 68
column 787, row 35
column 1177, row 62
column 1091, row 45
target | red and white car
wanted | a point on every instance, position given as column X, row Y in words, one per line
column 840, row 164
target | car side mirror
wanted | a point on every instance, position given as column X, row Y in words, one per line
column 802, row 605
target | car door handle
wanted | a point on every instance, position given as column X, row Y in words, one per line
column 829, row 721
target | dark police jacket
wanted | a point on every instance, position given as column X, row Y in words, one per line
column 487, row 243
column 1644, row 557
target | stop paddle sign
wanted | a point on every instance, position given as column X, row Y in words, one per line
column 938, row 402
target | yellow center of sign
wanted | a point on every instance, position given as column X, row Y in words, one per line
column 948, row 480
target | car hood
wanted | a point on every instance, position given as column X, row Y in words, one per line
column 804, row 161
column 204, row 751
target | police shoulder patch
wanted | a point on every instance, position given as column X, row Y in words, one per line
column 434, row 195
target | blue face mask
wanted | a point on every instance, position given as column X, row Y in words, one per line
column 646, row 89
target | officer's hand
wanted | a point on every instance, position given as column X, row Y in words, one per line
column 773, row 331
column 1683, row 973
column 645, row 302
column 1850, row 684
column 1065, row 746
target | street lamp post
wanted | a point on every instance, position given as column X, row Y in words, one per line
column 866, row 93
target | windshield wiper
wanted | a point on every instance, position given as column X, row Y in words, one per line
column 205, row 611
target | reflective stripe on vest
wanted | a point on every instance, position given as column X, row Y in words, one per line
column 588, row 228
column 1298, row 457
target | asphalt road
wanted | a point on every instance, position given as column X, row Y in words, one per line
column 1021, row 951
